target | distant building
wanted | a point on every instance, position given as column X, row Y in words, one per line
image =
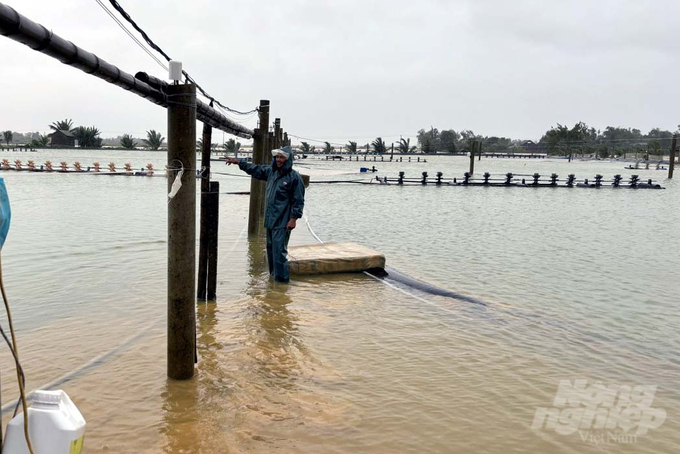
column 532, row 147
column 62, row 138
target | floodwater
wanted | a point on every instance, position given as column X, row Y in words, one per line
column 573, row 284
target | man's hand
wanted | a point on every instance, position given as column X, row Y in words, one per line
column 291, row 224
column 230, row 161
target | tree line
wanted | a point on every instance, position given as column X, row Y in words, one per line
column 90, row 137
column 612, row 141
column 378, row 146
column 558, row 140
column 87, row 137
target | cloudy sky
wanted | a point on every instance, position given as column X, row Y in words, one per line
column 357, row 69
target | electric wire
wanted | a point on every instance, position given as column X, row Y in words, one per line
column 129, row 33
column 15, row 353
column 154, row 46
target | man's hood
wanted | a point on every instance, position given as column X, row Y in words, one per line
column 288, row 165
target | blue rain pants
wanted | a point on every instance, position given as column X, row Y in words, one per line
column 277, row 253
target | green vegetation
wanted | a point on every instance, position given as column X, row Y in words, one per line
column 558, row 140
column 232, row 146
column 351, row 147
column 405, row 146
column 613, row 141
column 153, row 140
column 448, row 140
column 63, row 125
column 127, row 141
column 87, row 137
column 328, row 149
column 379, row 146
column 42, row 140
column 8, row 136
column 306, row 149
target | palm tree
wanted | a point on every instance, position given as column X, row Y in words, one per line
column 305, row 148
column 405, row 146
column 63, row 125
column 8, row 136
column 154, row 139
column 42, row 141
column 232, row 146
column 328, row 149
column 128, row 142
column 88, row 137
column 379, row 146
column 351, row 147
column 199, row 146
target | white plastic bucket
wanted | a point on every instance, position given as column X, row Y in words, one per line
column 55, row 426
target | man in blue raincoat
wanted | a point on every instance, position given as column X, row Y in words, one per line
column 284, row 199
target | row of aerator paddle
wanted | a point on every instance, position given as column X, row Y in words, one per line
column 522, row 181
column 77, row 167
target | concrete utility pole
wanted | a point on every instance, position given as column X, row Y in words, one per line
column 182, row 232
column 257, row 187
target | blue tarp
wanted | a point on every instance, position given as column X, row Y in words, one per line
column 5, row 213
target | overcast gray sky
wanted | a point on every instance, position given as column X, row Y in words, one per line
column 358, row 69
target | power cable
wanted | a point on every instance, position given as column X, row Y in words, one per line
column 154, row 46
column 316, row 140
column 129, row 33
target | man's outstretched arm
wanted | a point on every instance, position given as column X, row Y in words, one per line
column 261, row 172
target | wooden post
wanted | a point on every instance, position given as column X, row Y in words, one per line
column 277, row 133
column 479, row 150
column 213, row 224
column 181, row 232
column 286, row 140
column 671, row 160
column 473, row 145
column 203, row 238
column 270, row 146
column 268, row 160
column 260, row 152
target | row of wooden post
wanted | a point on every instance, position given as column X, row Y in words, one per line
column 207, row 249
column 264, row 141
column 182, row 287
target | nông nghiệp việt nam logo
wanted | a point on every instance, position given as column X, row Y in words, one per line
column 601, row 413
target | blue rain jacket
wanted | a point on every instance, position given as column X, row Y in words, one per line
column 285, row 193
column 5, row 213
